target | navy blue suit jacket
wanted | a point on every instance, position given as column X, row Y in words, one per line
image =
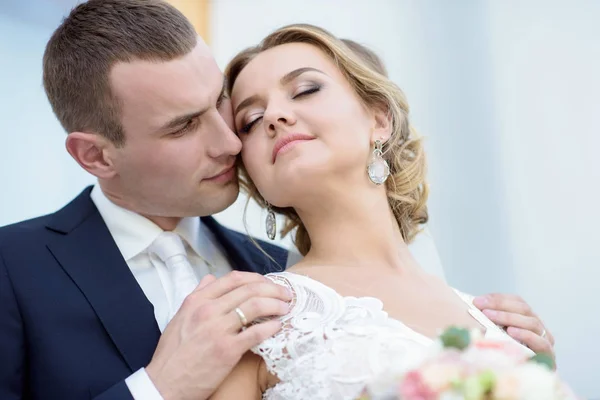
column 74, row 323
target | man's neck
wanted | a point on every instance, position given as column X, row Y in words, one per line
column 164, row 223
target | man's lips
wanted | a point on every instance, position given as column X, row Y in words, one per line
column 223, row 174
column 288, row 142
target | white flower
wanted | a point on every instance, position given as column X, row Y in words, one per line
column 529, row 381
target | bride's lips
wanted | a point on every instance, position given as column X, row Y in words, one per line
column 224, row 176
column 287, row 142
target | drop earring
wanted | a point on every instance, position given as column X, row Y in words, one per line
column 270, row 223
column 378, row 169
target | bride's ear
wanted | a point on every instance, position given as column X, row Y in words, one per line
column 382, row 124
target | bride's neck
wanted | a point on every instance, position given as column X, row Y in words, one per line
column 355, row 229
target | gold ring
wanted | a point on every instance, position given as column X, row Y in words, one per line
column 241, row 316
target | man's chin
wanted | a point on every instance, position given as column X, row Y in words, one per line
column 222, row 200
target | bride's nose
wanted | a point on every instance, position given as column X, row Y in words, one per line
column 278, row 118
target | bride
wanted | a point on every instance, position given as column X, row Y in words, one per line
column 327, row 143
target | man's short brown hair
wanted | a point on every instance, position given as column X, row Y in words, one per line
column 90, row 41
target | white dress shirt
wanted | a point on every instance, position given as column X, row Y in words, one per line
column 133, row 234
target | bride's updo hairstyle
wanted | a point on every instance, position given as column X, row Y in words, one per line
column 406, row 186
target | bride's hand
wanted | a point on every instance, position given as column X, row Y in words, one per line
column 519, row 321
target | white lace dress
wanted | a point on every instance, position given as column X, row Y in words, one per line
column 331, row 346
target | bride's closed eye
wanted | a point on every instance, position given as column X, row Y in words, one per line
column 246, row 128
column 308, row 91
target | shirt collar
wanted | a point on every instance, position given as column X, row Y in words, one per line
column 133, row 233
column 198, row 237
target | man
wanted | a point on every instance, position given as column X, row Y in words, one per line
column 85, row 292
column 124, row 293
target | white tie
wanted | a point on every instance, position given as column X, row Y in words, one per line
column 168, row 246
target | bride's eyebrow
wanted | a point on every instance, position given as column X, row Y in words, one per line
column 287, row 78
column 290, row 76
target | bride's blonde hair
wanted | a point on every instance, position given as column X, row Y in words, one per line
column 406, row 186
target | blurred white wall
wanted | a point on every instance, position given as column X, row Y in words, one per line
column 546, row 90
column 37, row 174
column 506, row 94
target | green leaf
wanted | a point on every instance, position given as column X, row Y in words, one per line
column 479, row 386
column 487, row 379
column 455, row 337
column 544, row 359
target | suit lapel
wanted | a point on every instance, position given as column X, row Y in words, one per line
column 89, row 255
column 242, row 253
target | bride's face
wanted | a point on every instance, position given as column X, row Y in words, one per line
column 302, row 126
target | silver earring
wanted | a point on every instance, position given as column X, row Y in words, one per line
column 271, row 223
column 378, row 169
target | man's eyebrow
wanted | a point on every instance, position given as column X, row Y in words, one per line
column 182, row 119
column 287, row 78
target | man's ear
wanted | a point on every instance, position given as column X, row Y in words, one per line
column 382, row 124
column 90, row 151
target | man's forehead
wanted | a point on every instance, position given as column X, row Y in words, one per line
column 162, row 89
column 198, row 66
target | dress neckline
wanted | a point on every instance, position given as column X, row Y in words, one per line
column 491, row 329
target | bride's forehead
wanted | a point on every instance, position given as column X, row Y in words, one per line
column 280, row 60
column 267, row 68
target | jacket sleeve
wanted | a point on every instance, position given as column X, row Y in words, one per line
column 120, row 391
column 12, row 341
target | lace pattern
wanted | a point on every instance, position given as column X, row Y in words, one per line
column 331, row 346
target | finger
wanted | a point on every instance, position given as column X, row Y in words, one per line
column 230, row 282
column 233, row 299
column 501, row 296
column 503, row 302
column 255, row 310
column 207, row 280
column 531, row 340
column 257, row 334
column 515, row 320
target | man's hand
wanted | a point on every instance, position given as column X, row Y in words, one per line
column 206, row 339
column 519, row 321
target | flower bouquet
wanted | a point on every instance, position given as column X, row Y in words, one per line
column 463, row 365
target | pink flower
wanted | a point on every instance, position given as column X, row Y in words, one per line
column 505, row 347
column 412, row 387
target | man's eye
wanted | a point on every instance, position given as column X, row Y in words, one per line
column 191, row 124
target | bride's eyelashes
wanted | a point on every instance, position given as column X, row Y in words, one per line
column 248, row 127
column 308, row 91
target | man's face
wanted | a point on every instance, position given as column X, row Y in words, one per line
column 179, row 154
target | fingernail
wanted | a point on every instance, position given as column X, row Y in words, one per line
column 490, row 313
column 481, row 301
column 514, row 332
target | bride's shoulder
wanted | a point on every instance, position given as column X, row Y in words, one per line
column 300, row 283
column 311, row 299
column 466, row 297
